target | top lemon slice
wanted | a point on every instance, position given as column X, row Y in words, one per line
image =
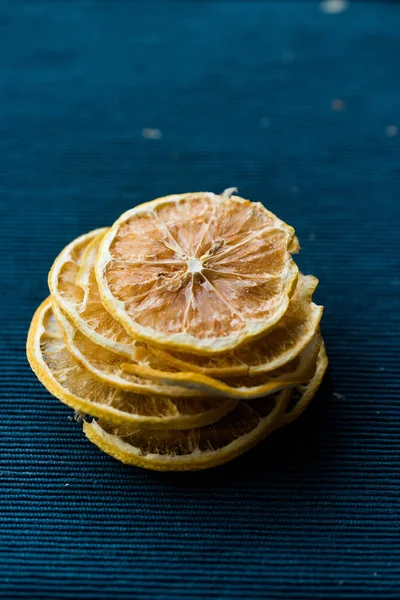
column 197, row 272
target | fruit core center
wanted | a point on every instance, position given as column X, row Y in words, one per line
column 195, row 265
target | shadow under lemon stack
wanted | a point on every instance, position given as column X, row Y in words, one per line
column 185, row 330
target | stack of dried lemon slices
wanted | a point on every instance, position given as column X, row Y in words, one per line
column 185, row 329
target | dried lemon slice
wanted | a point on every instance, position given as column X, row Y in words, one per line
column 193, row 449
column 74, row 288
column 69, row 382
column 197, row 272
column 281, row 344
column 299, row 370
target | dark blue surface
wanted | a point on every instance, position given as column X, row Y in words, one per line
column 314, row 513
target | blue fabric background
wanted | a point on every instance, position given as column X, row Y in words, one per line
column 313, row 513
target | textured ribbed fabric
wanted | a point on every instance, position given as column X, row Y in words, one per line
column 237, row 94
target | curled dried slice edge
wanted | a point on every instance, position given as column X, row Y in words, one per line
column 303, row 394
